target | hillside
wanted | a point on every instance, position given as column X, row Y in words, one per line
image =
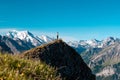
column 106, row 64
column 12, row 67
column 64, row 58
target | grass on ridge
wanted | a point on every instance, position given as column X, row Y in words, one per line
column 12, row 67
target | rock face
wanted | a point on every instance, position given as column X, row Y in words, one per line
column 106, row 64
column 64, row 58
column 13, row 46
column 3, row 47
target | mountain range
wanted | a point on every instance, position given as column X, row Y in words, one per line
column 19, row 41
column 103, row 57
column 28, row 40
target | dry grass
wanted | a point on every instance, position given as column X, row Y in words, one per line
column 12, row 67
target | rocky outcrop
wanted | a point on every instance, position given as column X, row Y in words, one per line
column 64, row 58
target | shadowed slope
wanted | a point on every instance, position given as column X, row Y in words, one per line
column 67, row 61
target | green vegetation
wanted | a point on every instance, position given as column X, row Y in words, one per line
column 12, row 67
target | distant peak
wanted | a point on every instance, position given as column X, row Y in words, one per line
column 110, row 38
column 23, row 35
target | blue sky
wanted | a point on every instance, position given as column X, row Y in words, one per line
column 73, row 19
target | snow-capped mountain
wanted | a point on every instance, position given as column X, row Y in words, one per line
column 19, row 41
column 86, row 43
column 28, row 37
column 38, row 40
column 32, row 41
column 94, row 43
column 109, row 41
column 25, row 36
